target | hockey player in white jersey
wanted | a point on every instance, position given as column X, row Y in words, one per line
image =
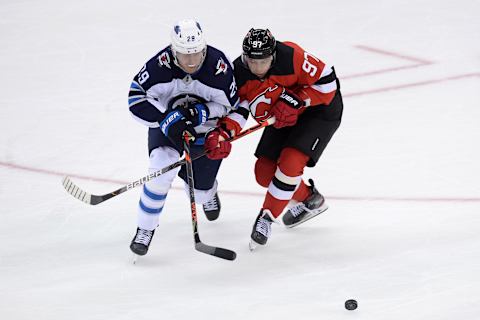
column 186, row 87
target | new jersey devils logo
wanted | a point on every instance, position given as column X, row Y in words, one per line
column 262, row 103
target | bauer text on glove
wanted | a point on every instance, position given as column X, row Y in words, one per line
column 286, row 110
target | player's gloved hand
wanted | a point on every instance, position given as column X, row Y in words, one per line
column 287, row 109
column 197, row 113
column 215, row 145
column 184, row 118
column 174, row 125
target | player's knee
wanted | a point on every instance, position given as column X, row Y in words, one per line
column 202, row 196
column 264, row 171
column 292, row 162
column 160, row 158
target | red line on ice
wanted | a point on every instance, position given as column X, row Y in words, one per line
column 418, row 63
column 410, row 85
column 393, row 54
column 246, row 193
column 381, row 71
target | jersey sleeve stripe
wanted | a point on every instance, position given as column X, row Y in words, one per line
column 326, row 88
column 329, row 77
column 327, row 82
column 326, row 71
column 134, row 86
column 133, row 100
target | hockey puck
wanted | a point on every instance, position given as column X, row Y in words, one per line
column 351, row 304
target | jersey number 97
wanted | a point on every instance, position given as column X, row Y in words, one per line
column 308, row 67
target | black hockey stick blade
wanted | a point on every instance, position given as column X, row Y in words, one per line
column 199, row 246
column 216, row 251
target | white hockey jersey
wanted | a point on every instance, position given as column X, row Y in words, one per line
column 161, row 86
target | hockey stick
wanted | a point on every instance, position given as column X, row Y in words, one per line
column 93, row 199
column 199, row 245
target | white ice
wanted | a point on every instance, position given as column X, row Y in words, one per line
column 402, row 235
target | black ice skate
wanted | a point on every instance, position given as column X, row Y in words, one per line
column 212, row 208
column 141, row 241
column 262, row 228
column 306, row 210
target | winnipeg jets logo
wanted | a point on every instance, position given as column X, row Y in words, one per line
column 183, row 100
column 221, row 67
column 164, row 60
column 263, row 102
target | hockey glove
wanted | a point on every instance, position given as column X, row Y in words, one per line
column 197, row 113
column 174, row 125
column 184, row 118
column 287, row 109
column 216, row 147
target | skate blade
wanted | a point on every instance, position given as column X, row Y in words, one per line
column 252, row 245
column 307, row 217
column 135, row 258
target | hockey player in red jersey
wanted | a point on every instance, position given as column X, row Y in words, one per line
column 302, row 92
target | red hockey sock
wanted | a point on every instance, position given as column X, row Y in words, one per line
column 285, row 180
column 264, row 171
column 273, row 204
column 302, row 192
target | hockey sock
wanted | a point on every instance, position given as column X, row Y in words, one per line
column 264, row 171
column 287, row 178
column 302, row 192
column 149, row 208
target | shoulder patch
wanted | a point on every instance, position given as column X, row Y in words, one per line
column 164, row 60
column 221, row 67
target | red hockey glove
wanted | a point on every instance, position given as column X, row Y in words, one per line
column 286, row 109
column 215, row 148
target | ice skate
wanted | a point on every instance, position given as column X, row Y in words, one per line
column 141, row 242
column 261, row 230
column 212, row 208
column 306, row 210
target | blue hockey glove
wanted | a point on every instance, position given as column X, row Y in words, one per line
column 183, row 119
column 197, row 113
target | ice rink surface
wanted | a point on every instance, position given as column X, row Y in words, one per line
column 402, row 235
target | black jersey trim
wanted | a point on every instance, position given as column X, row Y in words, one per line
column 327, row 79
